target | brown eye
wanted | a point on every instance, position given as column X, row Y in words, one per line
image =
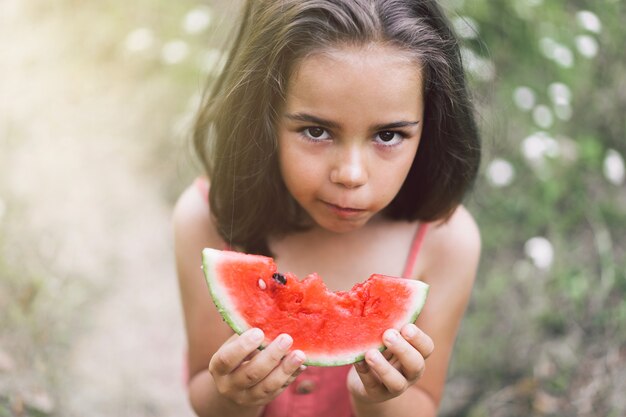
column 315, row 132
column 387, row 136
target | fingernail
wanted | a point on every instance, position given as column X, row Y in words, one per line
column 298, row 357
column 256, row 335
column 284, row 341
column 410, row 330
column 391, row 336
column 375, row 356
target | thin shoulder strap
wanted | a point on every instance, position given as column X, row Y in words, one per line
column 418, row 239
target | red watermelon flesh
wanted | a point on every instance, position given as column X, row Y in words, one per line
column 331, row 328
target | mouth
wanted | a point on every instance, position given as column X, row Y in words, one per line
column 344, row 211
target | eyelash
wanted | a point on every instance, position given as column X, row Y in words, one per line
column 303, row 134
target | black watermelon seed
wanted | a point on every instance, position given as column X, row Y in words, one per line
column 280, row 278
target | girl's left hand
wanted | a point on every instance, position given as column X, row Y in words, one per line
column 382, row 376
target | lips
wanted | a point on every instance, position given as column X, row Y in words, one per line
column 344, row 211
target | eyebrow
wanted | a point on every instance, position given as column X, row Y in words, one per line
column 304, row 117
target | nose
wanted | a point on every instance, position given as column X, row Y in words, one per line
column 349, row 168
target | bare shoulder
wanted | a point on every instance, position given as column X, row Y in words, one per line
column 454, row 243
column 195, row 230
column 192, row 215
column 451, row 258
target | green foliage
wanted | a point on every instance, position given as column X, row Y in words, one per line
column 559, row 190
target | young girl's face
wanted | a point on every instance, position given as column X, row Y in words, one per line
column 349, row 131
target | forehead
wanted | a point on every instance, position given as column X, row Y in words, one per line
column 373, row 76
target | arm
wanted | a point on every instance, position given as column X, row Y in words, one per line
column 448, row 262
column 193, row 231
column 228, row 375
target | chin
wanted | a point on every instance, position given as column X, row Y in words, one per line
column 341, row 227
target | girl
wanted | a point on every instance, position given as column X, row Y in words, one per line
column 342, row 138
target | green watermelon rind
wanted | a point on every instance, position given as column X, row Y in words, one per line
column 208, row 257
column 238, row 324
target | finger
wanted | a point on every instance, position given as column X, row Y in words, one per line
column 391, row 358
column 422, row 342
column 361, row 366
column 300, row 369
column 283, row 375
column 252, row 372
column 370, row 381
column 388, row 375
column 234, row 351
column 251, row 355
column 409, row 361
column 293, row 377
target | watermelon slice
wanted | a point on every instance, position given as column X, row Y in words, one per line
column 331, row 328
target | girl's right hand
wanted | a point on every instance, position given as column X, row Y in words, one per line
column 249, row 377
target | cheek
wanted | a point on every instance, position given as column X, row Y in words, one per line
column 293, row 176
column 393, row 175
column 298, row 171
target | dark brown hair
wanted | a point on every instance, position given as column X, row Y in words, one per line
column 234, row 133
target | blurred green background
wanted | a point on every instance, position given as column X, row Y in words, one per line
column 95, row 104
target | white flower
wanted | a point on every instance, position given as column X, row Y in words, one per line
column 174, row 52
column 589, row 21
column 563, row 111
column 548, row 46
column 500, row 172
column 538, row 146
column 465, row 27
column 559, row 93
column 139, row 40
column 613, row 167
column 540, row 251
column 524, row 98
column 557, row 52
column 564, row 56
column 542, row 115
column 197, row 20
column 587, row 46
column 533, row 148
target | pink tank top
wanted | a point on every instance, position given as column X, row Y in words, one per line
column 322, row 391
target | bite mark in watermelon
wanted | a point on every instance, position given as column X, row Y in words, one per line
column 331, row 328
